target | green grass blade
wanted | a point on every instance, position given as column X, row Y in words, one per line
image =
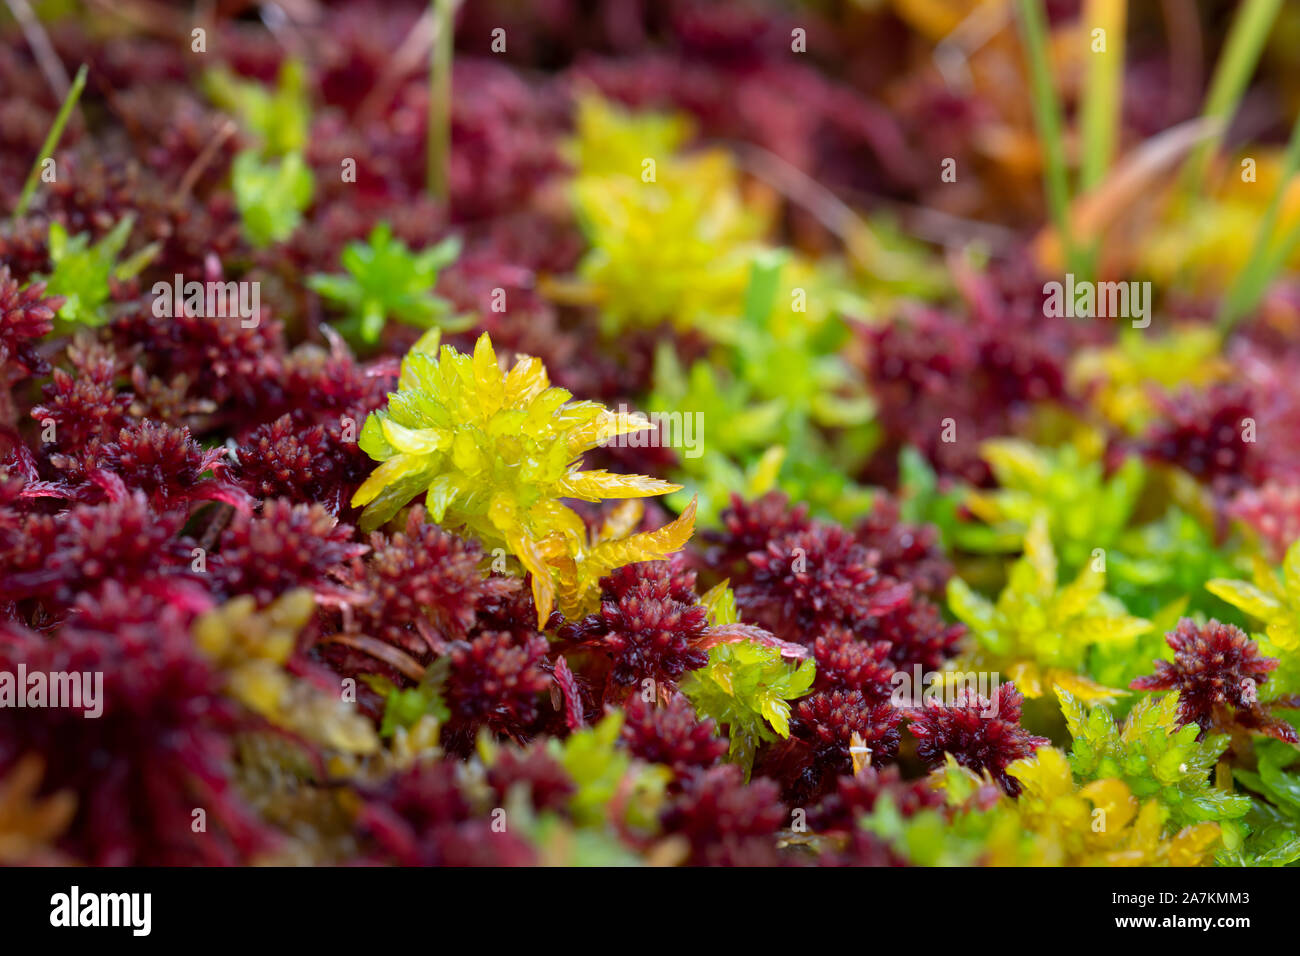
column 764, row 282
column 1246, row 37
column 438, row 144
column 51, row 141
column 1264, row 262
column 1047, row 117
column 1103, row 91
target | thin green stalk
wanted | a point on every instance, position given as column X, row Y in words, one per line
column 439, row 134
column 1264, row 263
column 51, row 141
column 1246, row 37
column 1099, row 123
column 1047, row 117
column 1100, row 109
column 1282, row 253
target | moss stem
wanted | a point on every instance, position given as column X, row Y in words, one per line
column 439, row 133
column 51, row 141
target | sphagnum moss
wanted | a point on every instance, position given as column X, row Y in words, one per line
column 372, row 562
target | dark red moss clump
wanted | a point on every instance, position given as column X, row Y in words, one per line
column 420, row 817
column 981, row 734
column 648, row 628
column 807, row 580
column 945, row 381
column 1210, row 434
column 1217, row 671
column 160, row 460
column 671, row 734
column 847, row 663
column 26, row 316
column 546, row 783
column 225, row 360
column 287, row 546
column 823, row 729
column 165, row 723
column 308, row 464
column 917, row 635
column 85, row 403
column 423, row 585
column 857, row 794
column 725, row 821
column 906, row 552
column 495, row 682
column 128, row 542
column 1272, row 513
column 748, row 526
